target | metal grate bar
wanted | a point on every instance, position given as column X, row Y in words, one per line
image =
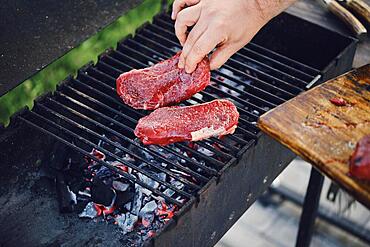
column 163, row 159
column 172, row 39
column 283, row 68
column 118, row 102
column 143, row 65
column 107, row 58
column 103, row 150
column 204, row 92
column 252, row 135
column 286, row 60
column 223, row 154
column 86, row 110
column 265, row 88
column 133, row 120
column 171, row 29
column 105, row 66
column 273, row 97
column 131, row 130
column 155, row 60
column 113, row 99
column 256, row 90
column 105, row 139
column 195, row 153
column 84, row 152
column 270, row 76
column 247, row 52
column 252, row 78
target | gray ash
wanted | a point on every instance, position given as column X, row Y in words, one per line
column 107, row 196
column 103, row 195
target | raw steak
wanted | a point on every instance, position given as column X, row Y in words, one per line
column 162, row 84
column 191, row 123
column 359, row 164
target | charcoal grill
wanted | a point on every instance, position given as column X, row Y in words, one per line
column 288, row 56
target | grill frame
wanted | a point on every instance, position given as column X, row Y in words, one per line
column 193, row 211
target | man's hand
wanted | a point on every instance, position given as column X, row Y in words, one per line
column 224, row 25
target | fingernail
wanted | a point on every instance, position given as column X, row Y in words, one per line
column 173, row 15
column 188, row 69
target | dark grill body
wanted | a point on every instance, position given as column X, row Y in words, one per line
column 288, row 56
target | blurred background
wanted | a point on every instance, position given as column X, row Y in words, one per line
column 271, row 221
column 48, row 78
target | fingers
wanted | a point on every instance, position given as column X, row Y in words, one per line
column 204, row 45
column 220, row 56
column 186, row 18
column 192, row 38
column 178, row 5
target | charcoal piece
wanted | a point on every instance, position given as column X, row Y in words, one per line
column 177, row 184
column 120, row 186
column 127, row 206
column 148, row 181
column 147, row 219
column 148, row 208
column 129, row 223
column 89, row 211
column 105, row 174
column 138, row 199
column 165, row 153
column 120, row 219
column 124, row 197
column 161, row 176
column 141, row 152
column 101, row 193
column 205, row 151
column 169, row 192
column 66, row 198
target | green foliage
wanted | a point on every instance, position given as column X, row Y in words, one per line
column 47, row 79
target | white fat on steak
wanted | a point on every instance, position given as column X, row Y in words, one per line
column 210, row 131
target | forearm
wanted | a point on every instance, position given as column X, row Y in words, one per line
column 270, row 8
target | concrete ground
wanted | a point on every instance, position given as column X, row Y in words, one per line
column 276, row 225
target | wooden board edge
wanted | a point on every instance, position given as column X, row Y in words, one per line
column 346, row 184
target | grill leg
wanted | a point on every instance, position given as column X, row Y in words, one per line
column 310, row 208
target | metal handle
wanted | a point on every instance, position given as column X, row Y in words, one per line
column 361, row 8
column 349, row 19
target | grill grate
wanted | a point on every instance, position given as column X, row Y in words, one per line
column 86, row 110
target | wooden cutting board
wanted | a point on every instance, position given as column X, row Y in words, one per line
column 325, row 134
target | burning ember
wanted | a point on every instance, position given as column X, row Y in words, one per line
column 105, row 195
column 115, row 199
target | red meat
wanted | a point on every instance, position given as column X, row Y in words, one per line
column 338, row 101
column 191, row 123
column 162, row 84
column 360, row 159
